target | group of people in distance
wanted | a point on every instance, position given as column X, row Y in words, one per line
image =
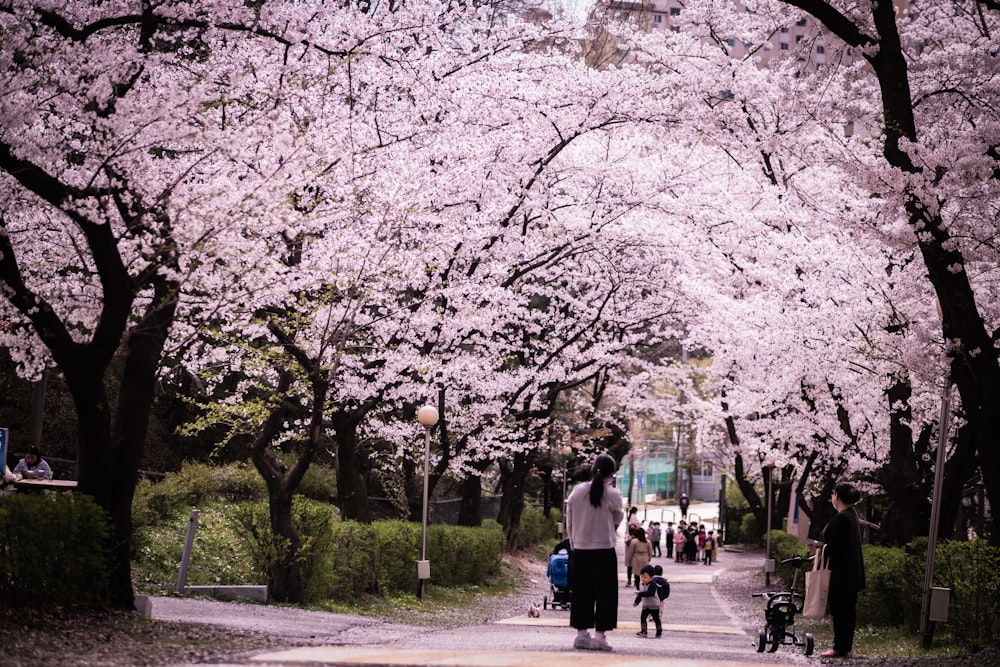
column 594, row 510
column 689, row 543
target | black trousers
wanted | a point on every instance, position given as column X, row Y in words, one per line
column 594, row 597
column 646, row 613
column 843, row 603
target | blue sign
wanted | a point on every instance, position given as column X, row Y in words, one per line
column 638, row 479
column 3, row 446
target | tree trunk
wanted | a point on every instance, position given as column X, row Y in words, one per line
column 512, row 504
column 470, row 510
column 960, row 470
column 901, row 476
column 285, row 577
column 352, row 492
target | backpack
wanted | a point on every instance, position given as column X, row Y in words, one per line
column 662, row 588
column 709, row 544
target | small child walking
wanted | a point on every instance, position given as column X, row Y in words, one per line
column 709, row 547
column 647, row 595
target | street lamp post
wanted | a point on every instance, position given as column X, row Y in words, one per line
column 428, row 417
column 565, row 451
column 926, row 631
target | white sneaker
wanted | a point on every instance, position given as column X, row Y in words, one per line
column 582, row 642
column 599, row 644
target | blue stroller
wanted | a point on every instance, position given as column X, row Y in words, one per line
column 558, row 574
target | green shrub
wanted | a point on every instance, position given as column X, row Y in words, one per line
column 312, row 523
column 972, row 571
column 235, row 483
column 319, row 483
column 887, row 600
column 53, row 550
column 175, row 493
column 783, row 547
column 196, row 483
column 346, row 560
column 381, row 558
column 750, row 530
column 537, row 528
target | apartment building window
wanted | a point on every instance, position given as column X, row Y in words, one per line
column 658, row 20
column 675, row 11
column 820, row 48
column 784, row 31
column 784, row 46
column 801, row 22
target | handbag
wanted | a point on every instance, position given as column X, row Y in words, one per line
column 817, row 587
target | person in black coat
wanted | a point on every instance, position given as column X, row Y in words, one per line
column 842, row 537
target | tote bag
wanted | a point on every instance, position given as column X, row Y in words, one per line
column 817, row 587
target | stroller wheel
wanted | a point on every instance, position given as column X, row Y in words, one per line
column 776, row 641
column 545, row 602
column 809, row 643
column 761, row 642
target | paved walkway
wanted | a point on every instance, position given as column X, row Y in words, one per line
column 698, row 630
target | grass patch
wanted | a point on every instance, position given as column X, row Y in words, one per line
column 882, row 643
column 440, row 605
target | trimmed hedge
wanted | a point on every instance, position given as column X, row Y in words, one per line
column 344, row 560
column 380, row 558
column 972, row 571
column 53, row 550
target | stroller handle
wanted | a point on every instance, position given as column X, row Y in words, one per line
column 798, row 560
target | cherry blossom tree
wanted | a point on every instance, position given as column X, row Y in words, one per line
column 150, row 164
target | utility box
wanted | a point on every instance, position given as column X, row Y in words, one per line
column 423, row 569
column 938, row 608
column 769, row 566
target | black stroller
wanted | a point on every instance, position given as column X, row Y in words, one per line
column 558, row 574
column 779, row 615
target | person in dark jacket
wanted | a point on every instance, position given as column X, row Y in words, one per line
column 842, row 537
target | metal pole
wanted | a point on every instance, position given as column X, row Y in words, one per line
column 645, row 479
column 186, row 555
column 926, row 630
column 722, row 509
column 768, row 472
column 423, row 537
